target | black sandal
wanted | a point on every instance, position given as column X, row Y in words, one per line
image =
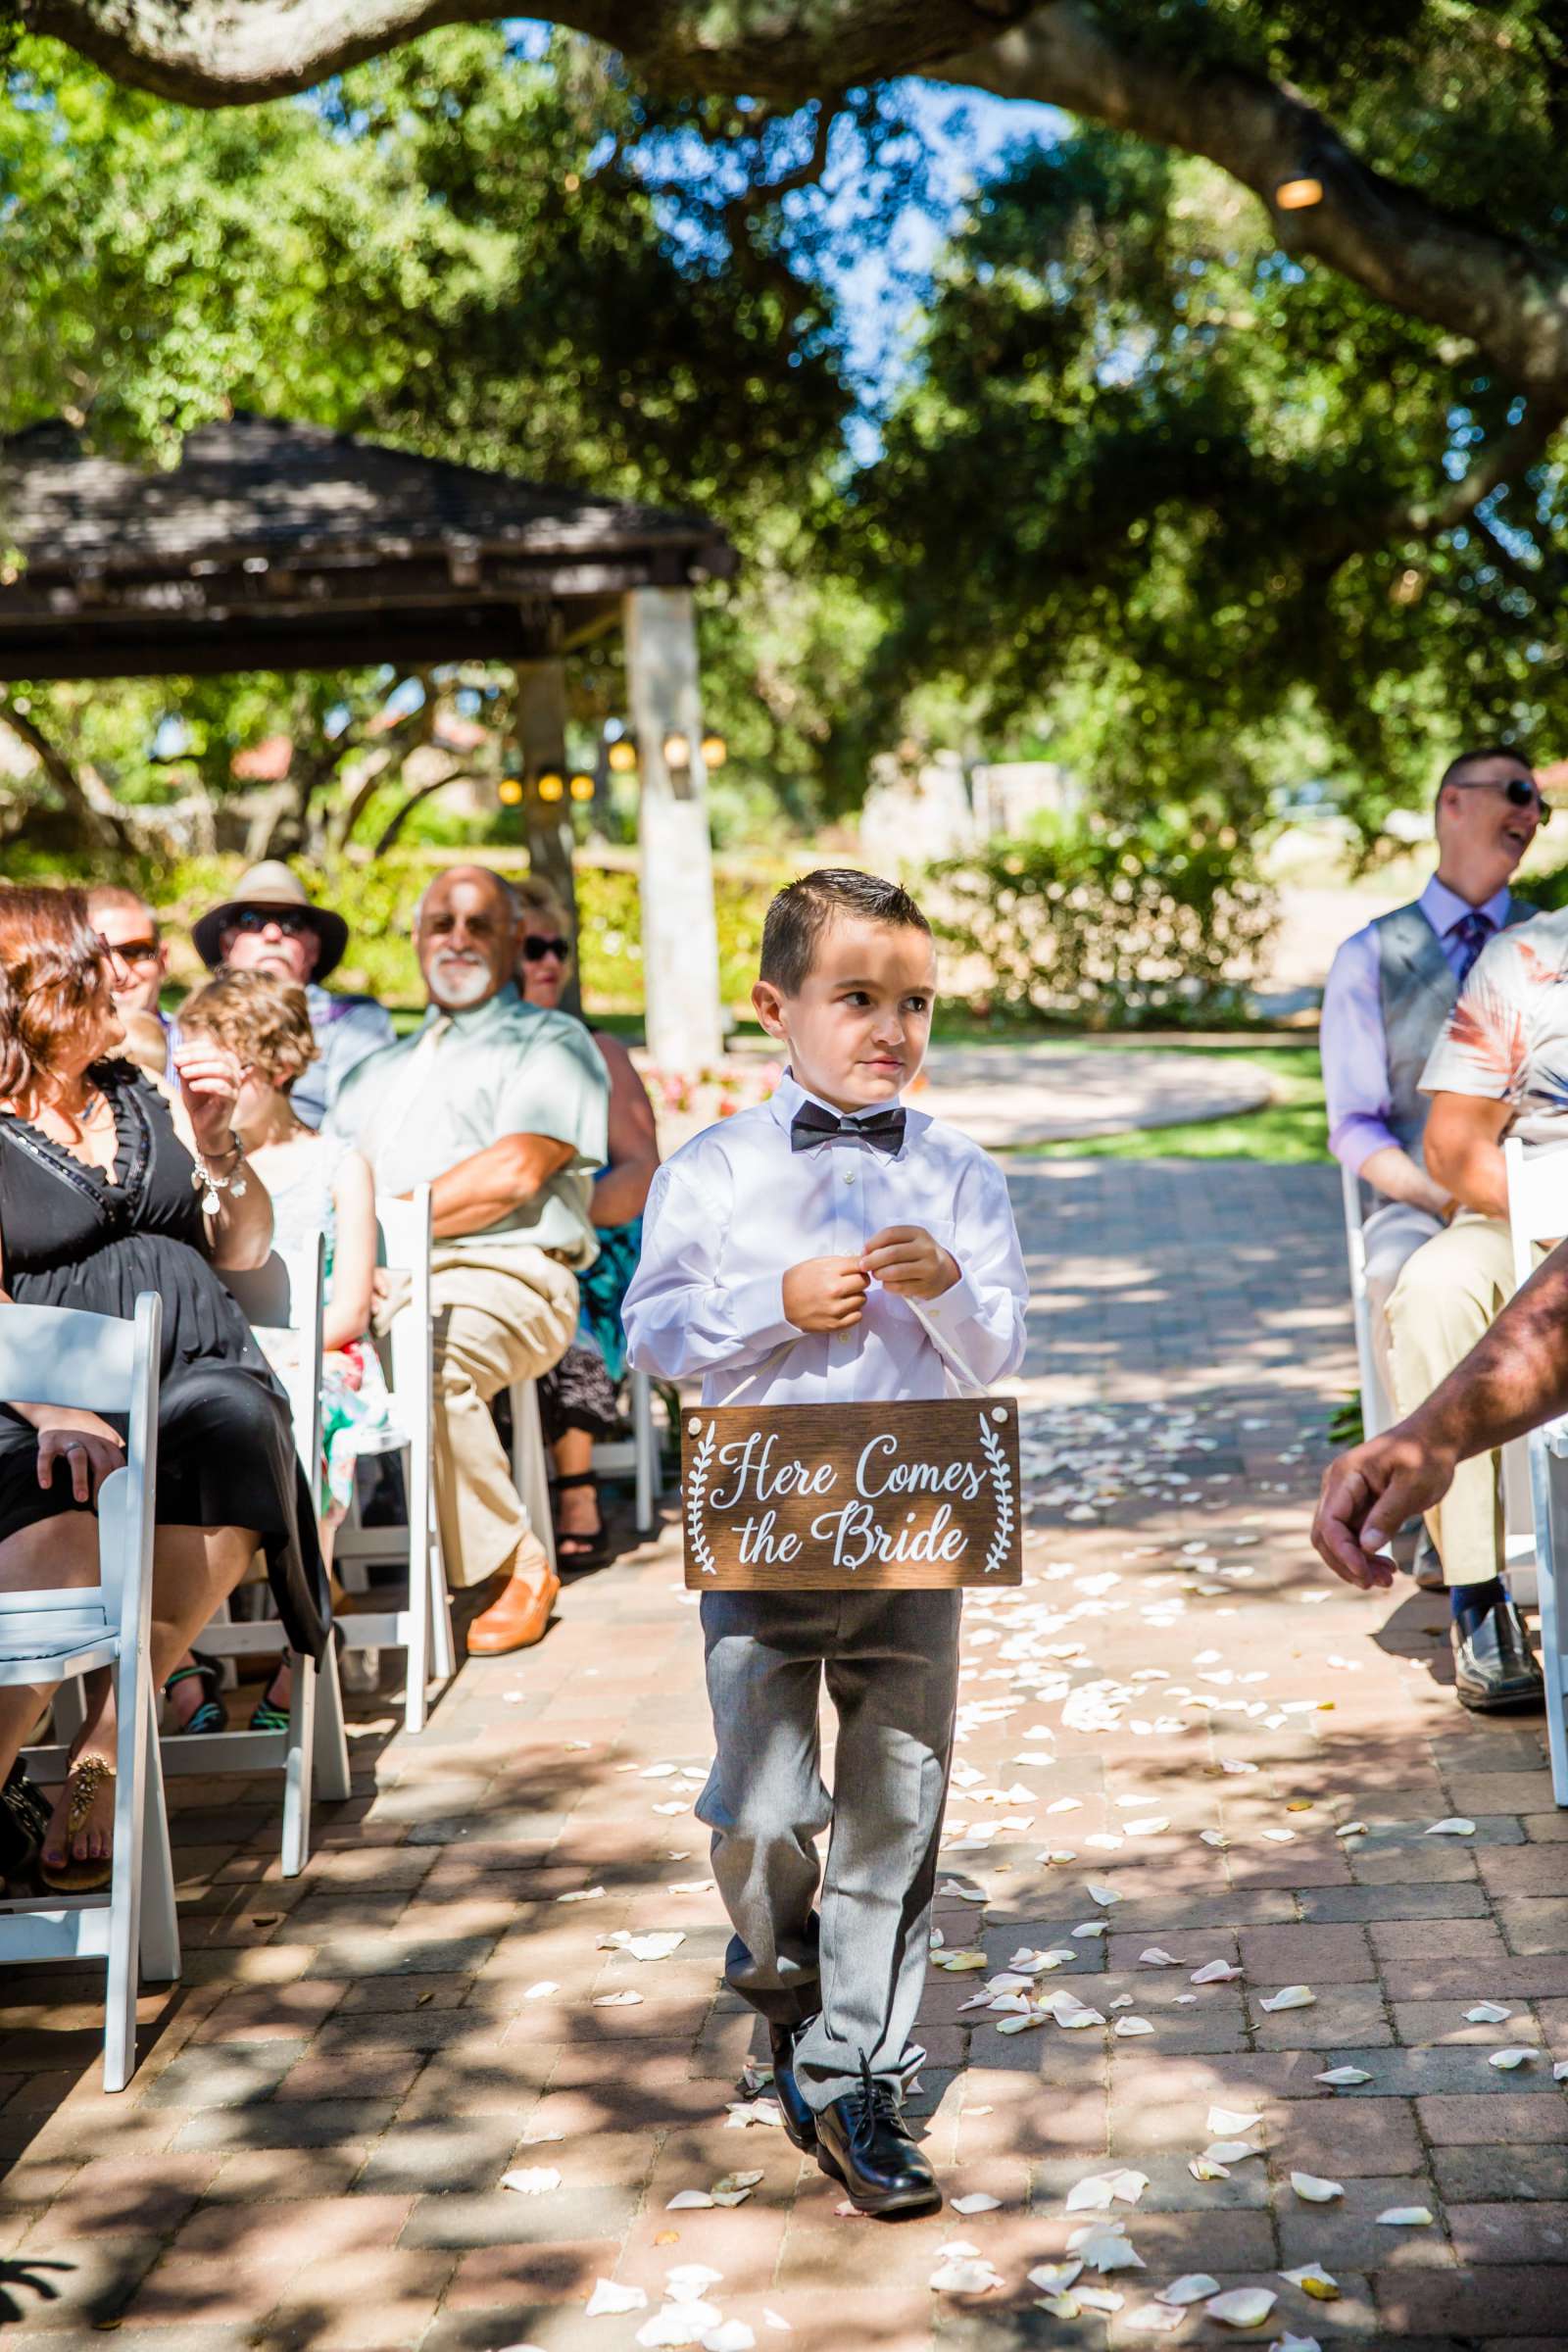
column 24, row 1820
column 212, row 1715
column 573, row 1549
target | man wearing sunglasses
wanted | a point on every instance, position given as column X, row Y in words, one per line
column 1391, row 987
column 1496, row 1066
column 138, row 960
column 270, row 925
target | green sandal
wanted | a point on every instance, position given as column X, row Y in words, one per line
column 212, row 1715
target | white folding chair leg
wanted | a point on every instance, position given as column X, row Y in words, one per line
column 443, row 1649
column 330, row 1748
column 299, row 1763
column 419, row 1651
column 645, row 1440
column 1550, row 1483
column 530, row 1471
column 125, row 1897
column 160, row 1910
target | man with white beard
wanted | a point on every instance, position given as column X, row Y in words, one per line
column 501, row 1108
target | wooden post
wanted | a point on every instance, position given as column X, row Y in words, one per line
column 541, row 727
column 681, row 933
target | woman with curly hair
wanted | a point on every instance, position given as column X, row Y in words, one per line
column 319, row 1186
column 100, row 1200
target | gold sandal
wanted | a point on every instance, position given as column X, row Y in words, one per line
column 85, row 1877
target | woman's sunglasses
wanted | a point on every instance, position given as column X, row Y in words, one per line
column 1516, row 790
column 132, row 950
column 536, row 947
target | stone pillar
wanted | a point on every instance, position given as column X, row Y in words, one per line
column 541, row 732
column 681, row 935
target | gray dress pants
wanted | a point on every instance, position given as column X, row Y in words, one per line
column 857, row 1964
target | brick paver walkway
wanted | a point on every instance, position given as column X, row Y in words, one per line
column 312, row 2150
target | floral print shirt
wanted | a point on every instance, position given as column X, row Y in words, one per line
column 1506, row 1038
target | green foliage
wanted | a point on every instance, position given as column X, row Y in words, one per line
column 1154, row 479
column 1105, row 926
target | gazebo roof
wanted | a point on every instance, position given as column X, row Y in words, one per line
column 281, row 546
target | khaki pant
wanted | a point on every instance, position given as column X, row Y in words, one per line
column 1391, row 1238
column 497, row 1320
column 1448, row 1293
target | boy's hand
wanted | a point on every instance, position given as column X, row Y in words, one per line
column 825, row 1294
column 906, row 1260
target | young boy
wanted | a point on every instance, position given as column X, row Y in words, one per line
column 783, row 1255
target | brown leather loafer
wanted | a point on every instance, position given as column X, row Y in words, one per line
column 516, row 1619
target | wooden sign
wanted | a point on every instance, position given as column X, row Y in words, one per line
column 829, row 1496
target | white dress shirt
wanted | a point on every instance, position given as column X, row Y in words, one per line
column 737, row 1207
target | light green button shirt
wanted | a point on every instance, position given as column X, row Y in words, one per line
column 504, row 1068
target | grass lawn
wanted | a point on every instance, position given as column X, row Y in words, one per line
column 1289, row 1131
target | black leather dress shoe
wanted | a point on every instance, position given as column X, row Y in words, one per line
column 799, row 2123
column 1495, row 1669
column 862, row 2141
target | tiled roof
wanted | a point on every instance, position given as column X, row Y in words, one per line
column 282, row 493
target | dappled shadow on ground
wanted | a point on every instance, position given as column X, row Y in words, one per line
column 312, row 2151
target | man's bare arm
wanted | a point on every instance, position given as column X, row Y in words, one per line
column 479, row 1191
column 1512, row 1380
column 1463, row 1148
column 1398, row 1177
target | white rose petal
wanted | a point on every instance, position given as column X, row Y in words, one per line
column 534, row 2180
column 967, row 2277
column 1055, row 2278
column 1155, row 1958
column 1097, row 2298
column 617, row 2000
column 1226, row 2122
column 1455, row 1826
column 1107, row 2250
column 1290, row 1997
column 730, row 2335
column 1242, row 2305
column 1405, row 2217
column 1488, row 2013
column 1315, row 2281
column 1316, row 2191
column 1507, row 2060
column 1214, row 1971
column 1192, row 2287
column 1341, row 2078
column 1352, row 1829
column 689, row 2200
column 584, row 1894
column 1101, row 1892
column 1230, row 2151
column 608, row 2299
column 978, row 2203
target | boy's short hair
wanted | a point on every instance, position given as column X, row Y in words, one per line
column 803, row 910
column 263, row 1020
column 1479, row 756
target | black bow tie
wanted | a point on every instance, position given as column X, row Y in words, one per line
column 812, row 1124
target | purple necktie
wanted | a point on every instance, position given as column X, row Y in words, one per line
column 1472, row 931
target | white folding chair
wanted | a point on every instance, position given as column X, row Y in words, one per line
column 1377, row 1409
column 1538, row 1212
column 284, row 1296
column 97, row 1363
column 638, row 1453
column 422, row 1625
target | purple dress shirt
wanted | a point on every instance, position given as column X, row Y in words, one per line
column 1355, row 1060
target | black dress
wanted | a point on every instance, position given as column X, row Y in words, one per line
column 75, row 1236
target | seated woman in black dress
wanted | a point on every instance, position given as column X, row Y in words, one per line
column 99, row 1201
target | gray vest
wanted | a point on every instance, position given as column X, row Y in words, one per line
column 1419, row 992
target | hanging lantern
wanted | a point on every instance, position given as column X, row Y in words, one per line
column 551, row 786
column 677, row 752
column 623, row 755
column 581, row 788
column 715, row 750
column 508, row 792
